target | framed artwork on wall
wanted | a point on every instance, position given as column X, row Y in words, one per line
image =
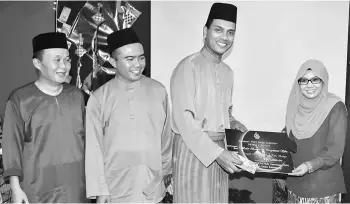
column 87, row 25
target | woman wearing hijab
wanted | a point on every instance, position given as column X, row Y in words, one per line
column 316, row 120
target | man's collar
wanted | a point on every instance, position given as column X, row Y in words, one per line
column 127, row 86
column 210, row 56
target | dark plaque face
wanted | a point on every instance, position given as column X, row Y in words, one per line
column 267, row 149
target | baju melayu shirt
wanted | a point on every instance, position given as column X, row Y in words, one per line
column 128, row 141
column 43, row 143
column 201, row 88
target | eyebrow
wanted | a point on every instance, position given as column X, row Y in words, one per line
column 234, row 30
column 309, row 78
column 62, row 56
column 134, row 56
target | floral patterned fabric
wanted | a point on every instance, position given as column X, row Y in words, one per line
column 282, row 195
column 292, row 198
column 279, row 190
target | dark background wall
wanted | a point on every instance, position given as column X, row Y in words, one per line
column 141, row 26
column 20, row 22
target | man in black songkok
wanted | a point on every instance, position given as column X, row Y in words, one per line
column 43, row 144
column 201, row 92
column 128, row 136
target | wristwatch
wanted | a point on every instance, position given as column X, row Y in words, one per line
column 309, row 166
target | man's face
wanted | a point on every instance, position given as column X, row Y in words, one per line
column 219, row 36
column 55, row 65
column 130, row 62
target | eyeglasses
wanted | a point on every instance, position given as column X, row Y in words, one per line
column 305, row 81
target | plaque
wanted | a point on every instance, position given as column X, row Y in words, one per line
column 269, row 150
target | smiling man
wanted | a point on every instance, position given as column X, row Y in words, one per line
column 129, row 140
column 43, row 142
column 201, row 93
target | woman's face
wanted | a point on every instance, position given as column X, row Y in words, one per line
column 310, row 85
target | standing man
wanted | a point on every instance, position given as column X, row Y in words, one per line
column 201, row 93
column 128, row 141
column 43, row 141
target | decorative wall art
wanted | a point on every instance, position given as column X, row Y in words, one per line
column 87, row 25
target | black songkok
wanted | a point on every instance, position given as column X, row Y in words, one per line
column 49, row 40
column 120, row 38
column 223, row 11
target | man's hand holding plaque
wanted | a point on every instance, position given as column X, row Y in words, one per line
column 236, row 125
column 228, row 161
column 247, row 165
